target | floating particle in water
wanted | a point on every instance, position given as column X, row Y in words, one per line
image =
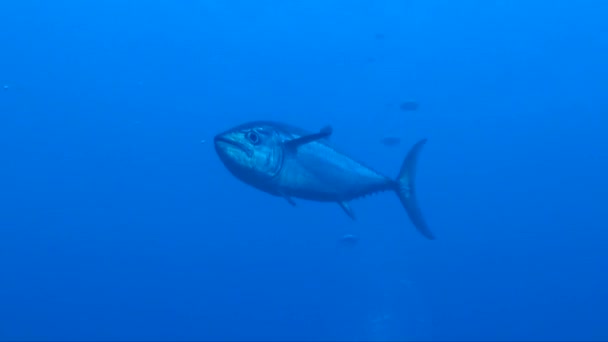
column 409, row 105
column 390, row 141
column 379, row 36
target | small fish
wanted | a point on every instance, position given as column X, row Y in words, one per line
column 290, row 162
column 409, row 105
column 390, row 141
column 349, row 239
column 379, row 36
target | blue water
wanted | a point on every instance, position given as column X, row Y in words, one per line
column 119, row 222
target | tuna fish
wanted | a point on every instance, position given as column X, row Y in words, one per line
column 290, row 162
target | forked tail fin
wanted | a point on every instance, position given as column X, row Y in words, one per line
column 406, row 190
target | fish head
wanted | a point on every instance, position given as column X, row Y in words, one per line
column 251, row 152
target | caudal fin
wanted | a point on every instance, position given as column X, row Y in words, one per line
column 406, row 190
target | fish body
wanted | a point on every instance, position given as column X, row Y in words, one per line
column 390, row 141
column 349, row 239
column 409, row 105
column 290, row 162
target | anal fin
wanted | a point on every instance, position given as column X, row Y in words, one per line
column 290, row 200
column 347, row 209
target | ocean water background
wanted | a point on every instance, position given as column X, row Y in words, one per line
column 118, row 221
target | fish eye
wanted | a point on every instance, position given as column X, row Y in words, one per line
column 253, row 137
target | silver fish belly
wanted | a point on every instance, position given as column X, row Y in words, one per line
column 318, row 172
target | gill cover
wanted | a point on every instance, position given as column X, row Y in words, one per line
column 251, row 153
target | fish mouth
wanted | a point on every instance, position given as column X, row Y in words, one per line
column 219, row 140
column 222, row 142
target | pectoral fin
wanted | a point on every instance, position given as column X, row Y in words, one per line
column 295, row 143
column 347, row 209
